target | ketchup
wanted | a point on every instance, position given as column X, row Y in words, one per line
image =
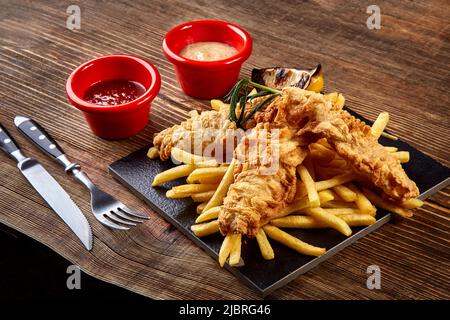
column 113, row 92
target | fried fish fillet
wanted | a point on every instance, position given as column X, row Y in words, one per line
column 265, row 180
column 193, row 134
column 314, row 117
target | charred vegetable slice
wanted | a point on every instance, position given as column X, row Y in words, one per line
column 280, row 77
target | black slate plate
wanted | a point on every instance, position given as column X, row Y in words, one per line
column 136, row 172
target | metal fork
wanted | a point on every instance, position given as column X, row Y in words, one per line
column 105, row 208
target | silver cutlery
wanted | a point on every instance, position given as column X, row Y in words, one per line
column 49, row 189
column 105, row 208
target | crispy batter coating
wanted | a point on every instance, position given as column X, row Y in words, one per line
column 315, row 117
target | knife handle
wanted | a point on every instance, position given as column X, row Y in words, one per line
column 7, row 143
column 38, row 136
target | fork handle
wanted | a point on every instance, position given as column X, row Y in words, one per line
column 38, row 136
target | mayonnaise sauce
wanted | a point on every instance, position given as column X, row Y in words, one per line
column 208, row 51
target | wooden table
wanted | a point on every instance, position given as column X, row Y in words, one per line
column 403, row 68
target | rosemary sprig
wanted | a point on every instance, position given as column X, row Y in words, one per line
column 233, row 97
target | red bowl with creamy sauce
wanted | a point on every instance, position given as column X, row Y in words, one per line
column 207, row 79
column 114, row 92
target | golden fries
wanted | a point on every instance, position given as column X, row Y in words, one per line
column 205, row 229
column 209, row 214
column 391, row 149
column 189, row 158
column 363, row 203
column 153, row 153
column 339, row 204
column 380, row 124
column 226, row 247
column 172, row 174
column 264, row 245
column 187, row 190
column 218, row 104
column 201, row 206
column 292, row 242
column 202, row 196
column 313, row 196
column 345, row 193
column 403, row 156
column 389, row 136
column 235, row 254
column 324, row 197
column 387, row 205
column 309, row 222
column 206, row 175
column 412, row 203
column 327, row 184
column 329, row 220
column 222, row 189
column 342, row 210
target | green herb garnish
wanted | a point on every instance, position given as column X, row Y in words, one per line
column 235, row 95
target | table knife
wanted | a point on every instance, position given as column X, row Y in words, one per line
column 49, row 189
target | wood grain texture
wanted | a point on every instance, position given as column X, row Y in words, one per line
column 404, row 68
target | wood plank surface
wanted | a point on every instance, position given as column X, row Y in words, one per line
column 403, row 68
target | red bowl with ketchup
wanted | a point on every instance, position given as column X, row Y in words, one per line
column 114, row 92
column 213, row 78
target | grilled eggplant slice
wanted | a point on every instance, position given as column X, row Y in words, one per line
column 280, row 77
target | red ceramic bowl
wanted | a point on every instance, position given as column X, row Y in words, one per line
column 207, row 79
column 118, row 121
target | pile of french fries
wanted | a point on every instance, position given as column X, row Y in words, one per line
column 327, row 195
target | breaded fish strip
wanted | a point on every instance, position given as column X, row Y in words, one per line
column 260, row 191
column 315, row 117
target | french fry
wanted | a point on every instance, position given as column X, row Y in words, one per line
column 358, row 220
column 309, row 164
column 201, row 175
column 389, row 136
column 264, row 245
column 338, row 204
column 226, row 247
column 403, row 156
column 309, row 184
column 337, row 163
column 235, row 254
column 387, row 205
column 218, row 104
column 345, row 193
column 324, row 197
column 391, row 149
column 153, row 153
column 202, row 196
column 363, row 203
column 201, row 206
column 321, row 153
column 329, row 220
column 205, row 229
column 412, row 203
column 189, row 158
column 380, row 124
column 308, row 222
column 336, row 98
column 210, row 214
column 222, row 189
column 172, row 174
column 190, row 189
column 327, row 184
column 292, row 242
column 343, row 210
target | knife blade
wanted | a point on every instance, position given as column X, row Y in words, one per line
column 49, row 189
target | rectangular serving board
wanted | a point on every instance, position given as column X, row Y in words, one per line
column 136, row 171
